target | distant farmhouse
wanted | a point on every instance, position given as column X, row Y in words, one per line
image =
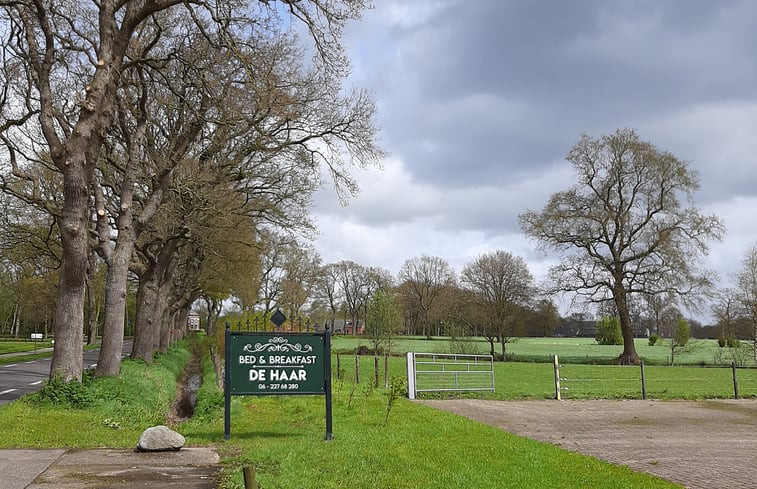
column 346, row 327
column 571, row 327
column 193, row 322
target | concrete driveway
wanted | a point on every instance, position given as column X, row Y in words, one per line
column 699, row 444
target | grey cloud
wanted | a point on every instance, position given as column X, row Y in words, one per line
column 576, row 66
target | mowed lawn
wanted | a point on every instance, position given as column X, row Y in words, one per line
column 536, row 380
column 10, row 346
column 569, row 350
column 283, row 437
column 419, row 447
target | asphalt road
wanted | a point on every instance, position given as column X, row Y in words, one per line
column 23, row 377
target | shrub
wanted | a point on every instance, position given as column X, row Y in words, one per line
column 462, row 345
column 682, row 334
column 608, row 331
column 741, row 353
column 653, row 339
column 397, row 389
column 57, row 391
column 721, row 342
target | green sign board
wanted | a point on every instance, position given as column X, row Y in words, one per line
column 277, row 364
column 274, row 363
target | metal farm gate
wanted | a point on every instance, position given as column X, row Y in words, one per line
column 439, row 372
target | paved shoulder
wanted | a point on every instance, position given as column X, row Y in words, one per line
column 190, row 468
column 20, row 467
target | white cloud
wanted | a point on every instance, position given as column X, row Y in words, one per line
column 479, row 103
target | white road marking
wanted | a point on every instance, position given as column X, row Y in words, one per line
column 8, row 391
column 11, row 365
column 36, row 383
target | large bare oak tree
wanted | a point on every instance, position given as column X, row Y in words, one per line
column 627, row 226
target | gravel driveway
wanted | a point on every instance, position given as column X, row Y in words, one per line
column 699, row 444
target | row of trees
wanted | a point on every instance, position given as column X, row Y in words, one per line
column 177, row 144
column 165, row 140
column 627, row 233
column 494, row 296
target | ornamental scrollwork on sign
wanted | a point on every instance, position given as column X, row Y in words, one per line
column 277, row 343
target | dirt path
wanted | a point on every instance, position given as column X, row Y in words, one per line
column 699, row 444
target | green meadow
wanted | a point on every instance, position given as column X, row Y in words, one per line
column 283, row 437
column 569, row 350
column 419, row 447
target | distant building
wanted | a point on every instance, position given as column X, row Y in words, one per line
column 571, row 327
column 345, row 327
column 193, row 322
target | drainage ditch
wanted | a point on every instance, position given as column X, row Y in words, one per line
column 186, row 391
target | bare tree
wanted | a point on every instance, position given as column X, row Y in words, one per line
column 747, row 291
column 426, row 278
column 502, row 285
column 727, row 312
column 327, row 289
column 67, row 61
column 63, row 66
column 354, row 281
column 302, row 266
column 630, row 222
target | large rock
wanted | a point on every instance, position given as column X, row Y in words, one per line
column 159, row 439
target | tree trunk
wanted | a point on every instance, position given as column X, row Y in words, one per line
column 14, row 322
column 164, row 314
column 67, row 358
column 155, row 287
column 91, row 315
column 181, row 320
column 109, row 360
column 147, row 328
column 629, row 355
column 504, row 348
column 214, row 309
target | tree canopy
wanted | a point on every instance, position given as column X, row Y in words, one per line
column 627, row 226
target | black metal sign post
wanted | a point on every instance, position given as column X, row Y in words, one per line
column 276, row 363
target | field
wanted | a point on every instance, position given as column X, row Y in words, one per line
column 11, row 346
column 283, row 437
column 569, row 350
column 524, row 380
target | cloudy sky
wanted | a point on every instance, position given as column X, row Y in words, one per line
column 479, row 102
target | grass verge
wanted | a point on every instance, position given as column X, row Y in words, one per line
column 23, row 346
column 113, row 411
column 283, row 438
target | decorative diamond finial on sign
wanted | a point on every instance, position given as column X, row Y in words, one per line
column 278, row 318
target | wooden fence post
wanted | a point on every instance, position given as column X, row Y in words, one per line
column 386, row 371
column 557, row 379
column 643, row 381
column 357, row 369
column 250, row 481
column 735, row 382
